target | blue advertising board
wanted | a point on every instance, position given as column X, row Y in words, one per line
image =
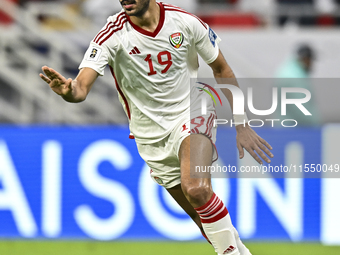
column 90, row 182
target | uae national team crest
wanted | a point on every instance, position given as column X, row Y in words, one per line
column 176, row 40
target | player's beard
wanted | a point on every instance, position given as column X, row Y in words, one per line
column 141, row 7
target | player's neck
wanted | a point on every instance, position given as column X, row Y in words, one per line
column 150, row 19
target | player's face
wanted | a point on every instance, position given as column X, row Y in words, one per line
column 135, row 7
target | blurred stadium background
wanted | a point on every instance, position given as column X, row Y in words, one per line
column 72, row 183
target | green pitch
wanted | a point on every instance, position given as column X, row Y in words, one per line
column 152, row 248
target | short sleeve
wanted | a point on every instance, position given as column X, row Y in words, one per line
column 206, row 41
column 96, row 57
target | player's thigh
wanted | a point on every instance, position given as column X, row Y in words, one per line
column 196, row 150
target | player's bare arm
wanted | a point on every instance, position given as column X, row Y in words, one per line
column 246, row 137
column 71, row 90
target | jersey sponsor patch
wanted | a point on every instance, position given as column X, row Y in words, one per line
column 176, row 39
column 212, row 37
column 94, row 54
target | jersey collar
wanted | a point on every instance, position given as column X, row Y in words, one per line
column 159, row 27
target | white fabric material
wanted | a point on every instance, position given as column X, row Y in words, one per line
column 162, row 156
column 240, row 119
column 221, row 235
column 157, row 101
column 241, row 247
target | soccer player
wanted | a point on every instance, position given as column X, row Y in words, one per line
column 151, row 49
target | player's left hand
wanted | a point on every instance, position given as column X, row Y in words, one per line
column 248, row 139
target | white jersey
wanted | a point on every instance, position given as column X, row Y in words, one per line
column 152, row 71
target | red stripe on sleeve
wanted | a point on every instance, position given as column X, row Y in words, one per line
column 108, row 26
column 112, row 25
column 112, row 32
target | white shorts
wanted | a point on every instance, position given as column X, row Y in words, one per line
column 162, row 156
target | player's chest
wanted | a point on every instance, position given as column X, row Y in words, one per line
column 169, row 47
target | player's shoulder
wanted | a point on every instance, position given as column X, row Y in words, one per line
column 114, row 24
column 184, row 16
column 118, row 17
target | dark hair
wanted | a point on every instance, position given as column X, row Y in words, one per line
column 305, row 51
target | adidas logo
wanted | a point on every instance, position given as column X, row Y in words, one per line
column 230, row 249
column 135, row 50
